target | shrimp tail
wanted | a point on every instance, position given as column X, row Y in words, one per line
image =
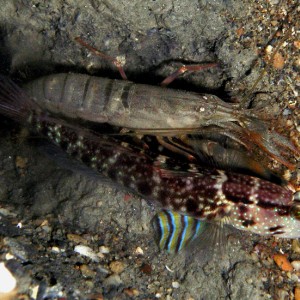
column 14, row 102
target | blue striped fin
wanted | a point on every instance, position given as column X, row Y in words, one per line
column 175, row 231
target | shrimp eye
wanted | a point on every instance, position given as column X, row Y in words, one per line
column 295, row 210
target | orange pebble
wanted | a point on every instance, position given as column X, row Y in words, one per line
column 240, row 31
column 282, row 262
column 297, row 293
column 278, row 61
column 297, row 44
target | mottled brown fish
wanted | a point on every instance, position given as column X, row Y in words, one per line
column 245, row 202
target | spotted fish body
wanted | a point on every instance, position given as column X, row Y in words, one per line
column 246, row 202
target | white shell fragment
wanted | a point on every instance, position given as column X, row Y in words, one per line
column 296, row 265
column 139, row 251
column 86, row 251
column 170, row 270
column 7, row 282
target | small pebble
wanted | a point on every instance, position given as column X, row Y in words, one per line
column 112, row 280
column 6, row 212
column 117, row 267
column 100, row 255
column 9, row 256
column 131, row 292
column 269, row 49
column 87, row 272
column 44, row 223
column 103, row 270
column 296, row 246
column 89, row 284
column 278, row 61
column 20, row 225
column 175, row 284
column 76, row 238
column 240, row 31
column 274, row 23
column 55, row 249
column 297, row 44
column 139, row 251
column 273, row 2
column 104, row 249
column 17, row 248
column 294, row 277
column 296, row 265
column 86, row 251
